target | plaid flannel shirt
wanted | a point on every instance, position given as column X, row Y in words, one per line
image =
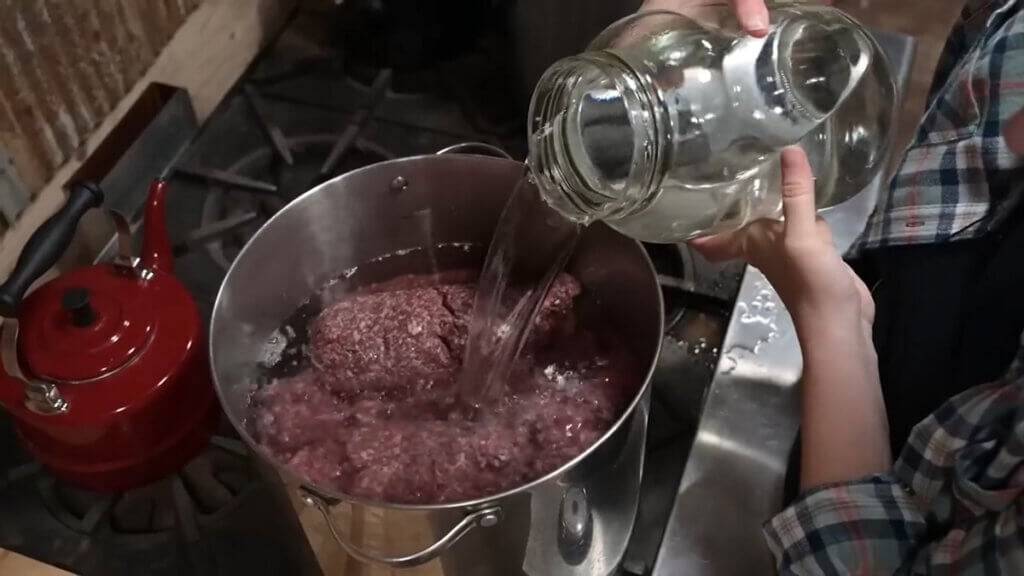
column 952, row 505
column 957, row 178
column 954, row 502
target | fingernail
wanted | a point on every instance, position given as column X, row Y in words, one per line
column 758, row 23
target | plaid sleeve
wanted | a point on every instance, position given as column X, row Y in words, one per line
column 870, row 526
column 967, row 31
column 958, row 179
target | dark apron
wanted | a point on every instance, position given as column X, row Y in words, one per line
column 949, row 317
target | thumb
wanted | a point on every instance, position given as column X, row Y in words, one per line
column 798, row 194
column 753, row 16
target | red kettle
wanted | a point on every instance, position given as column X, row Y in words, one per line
column 104, row 367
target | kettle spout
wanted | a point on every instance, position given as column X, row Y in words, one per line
column 156, row 247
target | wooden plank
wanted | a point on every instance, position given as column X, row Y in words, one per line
column 205, row 56
column 16, row 564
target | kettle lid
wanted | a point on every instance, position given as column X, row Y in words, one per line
column 89, row 322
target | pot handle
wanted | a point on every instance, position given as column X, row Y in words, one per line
column 483, row 518
column 477, row 148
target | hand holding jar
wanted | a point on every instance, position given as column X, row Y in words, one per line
column 670, row 125
column 752, row 14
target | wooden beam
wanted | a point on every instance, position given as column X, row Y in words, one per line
column 11, row 563
column 205, row 56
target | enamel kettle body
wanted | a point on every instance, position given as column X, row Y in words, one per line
column 103, row 366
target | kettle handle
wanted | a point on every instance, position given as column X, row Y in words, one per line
column 47, row 244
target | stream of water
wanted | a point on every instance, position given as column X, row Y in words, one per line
column 531, row 245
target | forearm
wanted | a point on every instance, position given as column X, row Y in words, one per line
column 844, row 427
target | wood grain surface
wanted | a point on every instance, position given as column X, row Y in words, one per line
column 371, row 530
column 12, row 564
column 65, row 64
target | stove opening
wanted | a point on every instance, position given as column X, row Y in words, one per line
column 254, row 188
column 209, row 484
column 675, row 277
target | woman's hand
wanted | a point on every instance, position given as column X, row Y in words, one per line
column 845, row 431
column 798, row 258
column 752, row 14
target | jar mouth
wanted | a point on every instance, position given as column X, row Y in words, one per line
column 592, row 137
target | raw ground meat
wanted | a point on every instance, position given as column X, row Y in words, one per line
column 404, row 338
column 385, row 341
column 375, row 416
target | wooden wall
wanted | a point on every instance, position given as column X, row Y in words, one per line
column 65, row 64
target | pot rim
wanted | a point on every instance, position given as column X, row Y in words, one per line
column 336, row 496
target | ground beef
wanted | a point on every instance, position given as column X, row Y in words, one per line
column 386, row 341
column 375, row 416
column 412, row 335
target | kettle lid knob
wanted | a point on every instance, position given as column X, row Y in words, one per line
column 76, row 301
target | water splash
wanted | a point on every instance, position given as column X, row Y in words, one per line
column 759, row 319
column 464, row 246
column 729, row 363
column 700, row 352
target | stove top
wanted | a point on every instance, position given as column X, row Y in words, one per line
column 217, row 515
column 298, row 117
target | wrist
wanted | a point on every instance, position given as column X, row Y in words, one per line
column 831, row 321
column 833, row 333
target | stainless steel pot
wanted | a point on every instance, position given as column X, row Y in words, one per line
column 576, row 520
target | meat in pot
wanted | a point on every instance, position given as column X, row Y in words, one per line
column 374, row 416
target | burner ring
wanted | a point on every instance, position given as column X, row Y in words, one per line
column 223, row 204
column 211, row 484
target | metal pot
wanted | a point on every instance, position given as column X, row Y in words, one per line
column 576, row 520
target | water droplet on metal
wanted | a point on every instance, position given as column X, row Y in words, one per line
column 399, row 184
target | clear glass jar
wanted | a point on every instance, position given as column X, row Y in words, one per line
column 670, row 125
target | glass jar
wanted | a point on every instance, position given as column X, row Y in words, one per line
column 670, row 125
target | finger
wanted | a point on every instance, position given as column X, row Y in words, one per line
column 798, row 194
column 753, row 16
column 670, row 5
column 1013, row 133
column 720, row 247
column 749, row 243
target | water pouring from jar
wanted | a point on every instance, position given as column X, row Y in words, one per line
column 670, row 127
